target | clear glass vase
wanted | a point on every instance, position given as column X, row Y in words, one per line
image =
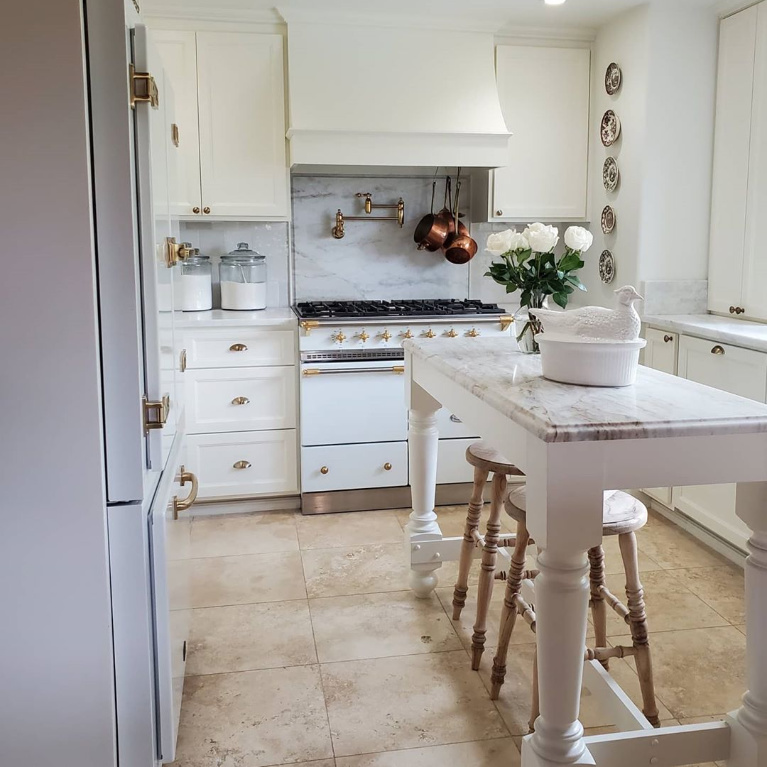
column 527, row 328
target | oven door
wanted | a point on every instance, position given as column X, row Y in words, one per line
column 347, row 402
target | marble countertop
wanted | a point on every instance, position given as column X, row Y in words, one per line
column 279, row 317
column 658, row 405
column 750, row 335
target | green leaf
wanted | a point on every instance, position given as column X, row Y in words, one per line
column 571, row 261
column 560, row 299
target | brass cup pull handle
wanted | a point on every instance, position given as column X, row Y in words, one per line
column 455, row 419
column 240, row 401
column 387, row 466
column 668, row 339
column 717, row 350
column 324, row 470
column 238, row 348
column 241, row 465
column 184, row 477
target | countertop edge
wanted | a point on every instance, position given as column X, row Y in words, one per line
column 282, row 318
column 712, row 327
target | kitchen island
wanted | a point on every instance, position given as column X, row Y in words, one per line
column 573, row 443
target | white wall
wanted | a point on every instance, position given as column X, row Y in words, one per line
column 56, row 672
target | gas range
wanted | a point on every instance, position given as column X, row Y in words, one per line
column 378, row 328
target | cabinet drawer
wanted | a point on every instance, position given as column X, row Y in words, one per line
column 661, row 350
column 732, row 369
column 450, row 426
column 245, row 347
column 268, row 458
column 240, row 399
column 351, row 467
column 452, row 466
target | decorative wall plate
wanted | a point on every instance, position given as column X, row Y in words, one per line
column 610, row 174
column 606, row 267
column 608, row 219
column 610, row 128
column 613, row 79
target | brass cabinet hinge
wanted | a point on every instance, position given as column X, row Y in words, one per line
column 142, row 88
column 178, row 251
column 156, row 413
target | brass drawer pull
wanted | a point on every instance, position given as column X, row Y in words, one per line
column 668, row 339
column 240, row 401
column 455, row 419
column 241, row 465
column 387, row 466
column 717, row 350
column 238, row 348
column 737, row 310
column 324, row 470
column 184, row 477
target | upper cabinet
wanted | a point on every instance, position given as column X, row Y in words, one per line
column 544, row 94
column 737, row 267
column 230, row 98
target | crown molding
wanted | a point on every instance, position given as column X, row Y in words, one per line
column 725, row 8
column 570, row 34
column 222, row 13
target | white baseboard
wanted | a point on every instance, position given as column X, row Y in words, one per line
column 245, row 506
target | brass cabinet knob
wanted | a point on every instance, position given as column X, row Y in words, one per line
column 473, row 333
column 238, row 348
column 324, row 470
column 185, row 476
column 240, row 401
column 498, row 212
column 206, row 209
column 363, row 336
column 717, row 350
column 386, row 335
column 451, row 333
column 668, row 339
column 739, row 310
column 339, row 337
column 387, row 466
column 407, row 334
column 429, row 333
column 241, row 465
column 195, row 209
column 732, row 310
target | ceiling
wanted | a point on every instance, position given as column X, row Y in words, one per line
column 503, row 15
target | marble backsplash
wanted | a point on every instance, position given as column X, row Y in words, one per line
column 674, row 297
column 215, row 238
column 373, row 260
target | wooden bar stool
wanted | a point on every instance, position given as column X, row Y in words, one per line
column 484, row 459
column 622, row 515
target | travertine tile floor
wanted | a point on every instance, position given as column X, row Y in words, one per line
column 307, row 648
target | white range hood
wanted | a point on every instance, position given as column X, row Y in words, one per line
column 370, row 95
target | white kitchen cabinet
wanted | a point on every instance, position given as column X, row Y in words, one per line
column 240, row 347
column 738, row 371
column 544, row 94
column 736, row 262
column 230, row 98
column 661, row 354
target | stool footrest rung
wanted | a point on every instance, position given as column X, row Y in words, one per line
column 614, row 602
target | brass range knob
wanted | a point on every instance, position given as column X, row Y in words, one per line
column 338, row 337
column 473, row 333
column 387, row 466
column 324, row 470
column 363, row 336
column 386, row 335
column 407, row 334
column 429, row 334
column 451, row 333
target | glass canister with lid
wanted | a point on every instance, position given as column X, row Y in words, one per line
column 243, row 279
column 196, row 283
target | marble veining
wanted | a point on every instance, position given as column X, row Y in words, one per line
column 658, row 405
column 750, row 335
column 674, row 297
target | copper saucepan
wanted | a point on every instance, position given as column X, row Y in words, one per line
column 432, row 230
column 459, row 247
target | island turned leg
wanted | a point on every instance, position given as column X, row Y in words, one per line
column 749, row 722
column 423, row 441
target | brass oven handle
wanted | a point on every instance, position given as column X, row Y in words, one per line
column 240, row 401
column 241, row 465
column 717, row 350
column 668, row 339
column 184, row 477
column 307, row 372
column 238, row 348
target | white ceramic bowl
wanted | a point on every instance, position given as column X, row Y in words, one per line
column 590, row 363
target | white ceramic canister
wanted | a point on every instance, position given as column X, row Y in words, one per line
column 196, row 284
column 243, row 279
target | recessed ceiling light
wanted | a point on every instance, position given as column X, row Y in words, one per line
column 554, row 2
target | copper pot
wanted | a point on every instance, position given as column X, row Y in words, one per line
column 459, row 247
column 432, row 230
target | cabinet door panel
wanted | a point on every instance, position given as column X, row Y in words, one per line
column 754, row 299
column 731, row 159
column 179, row 55
column 242, row 124
column 544, row 95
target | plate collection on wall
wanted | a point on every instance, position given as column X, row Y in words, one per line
column 609, row 133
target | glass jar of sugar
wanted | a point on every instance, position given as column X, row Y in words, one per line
column 243, row 279
column 196, row 284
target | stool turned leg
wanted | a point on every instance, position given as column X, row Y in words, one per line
column 487, row 571
column 467, row 547
column 509, row 613
column 597, row 602
column 638, row 623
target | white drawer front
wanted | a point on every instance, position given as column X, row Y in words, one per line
column 660, row 352
column 351, row 467
column 270, row 461
column 452, row 466
column 240, row 399
column 450, row 426
column 245, row 347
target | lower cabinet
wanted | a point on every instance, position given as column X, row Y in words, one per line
column 452, row 466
